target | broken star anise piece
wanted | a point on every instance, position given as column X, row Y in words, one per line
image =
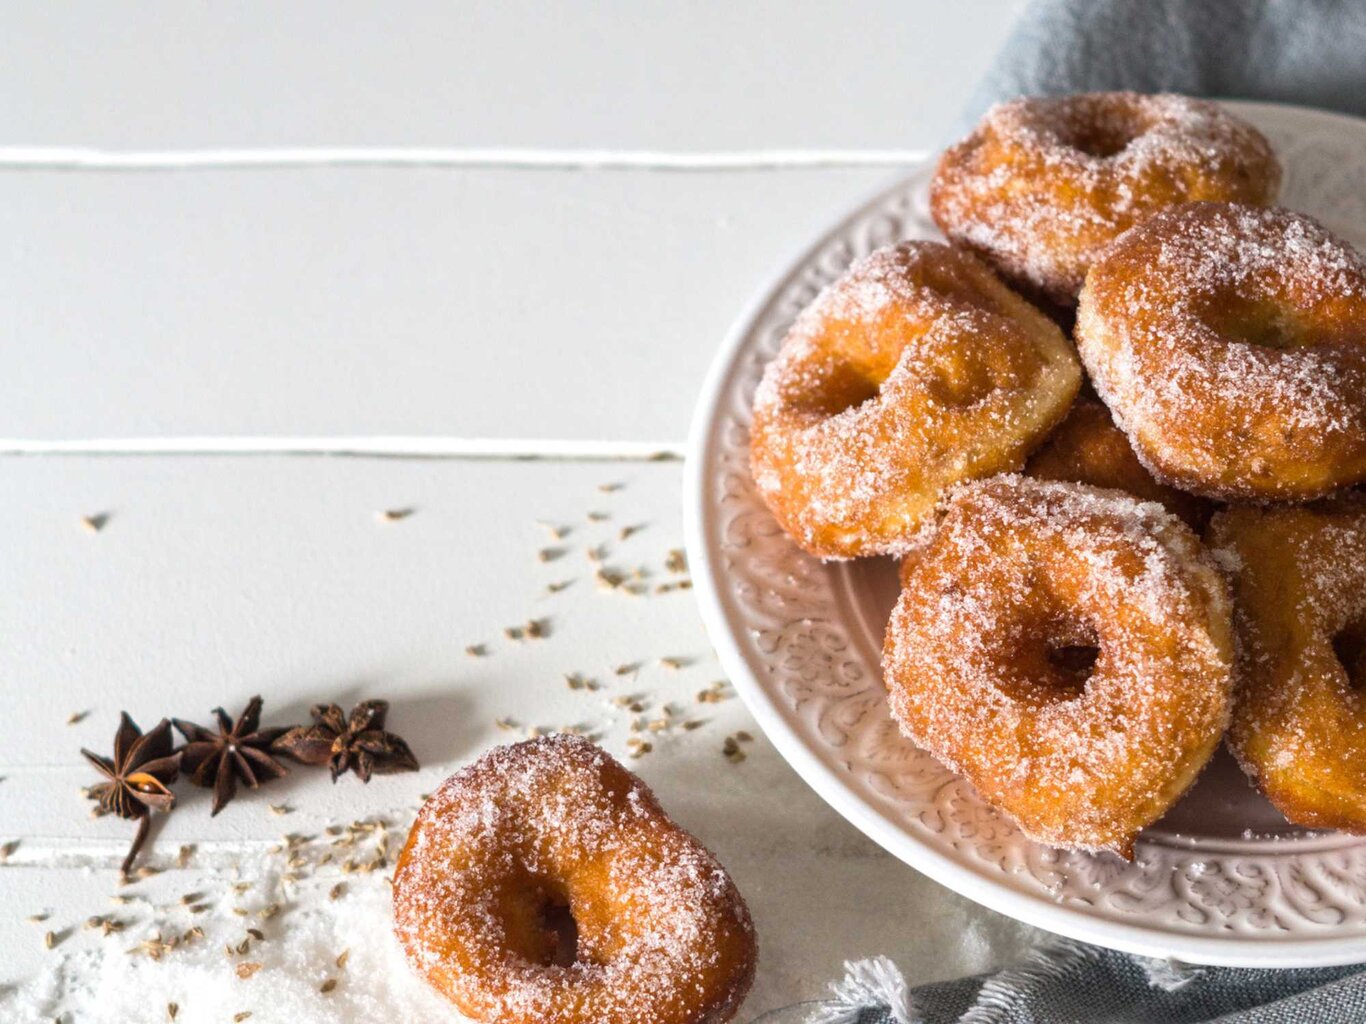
column 236, row 751
column 140, row 773
column 357, row 743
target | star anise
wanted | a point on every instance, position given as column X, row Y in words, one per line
column 238, row 750
column 139, row 774
column 357, row 743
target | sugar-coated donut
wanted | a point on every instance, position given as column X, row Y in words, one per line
column 652, row 930
column 1069, row 651
column 1045, row 183
column 916, row 369
column 1229, row 342
column 1087, row 448
column 1299, row 718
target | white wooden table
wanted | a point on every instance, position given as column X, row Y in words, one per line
column 491, row 248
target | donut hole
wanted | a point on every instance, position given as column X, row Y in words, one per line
column 1349, row 644
column 1052, row 662
column 557, row 918
column 1101, row 135
column 1075, row 662
column 840, row 387
column 1258, row 321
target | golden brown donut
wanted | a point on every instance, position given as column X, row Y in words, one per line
column 555, row 830
column 1299, row 720
column 1087, row 448
column 1043, row 184
column 1066, row 649
column 1229, row 342
column 916, row 369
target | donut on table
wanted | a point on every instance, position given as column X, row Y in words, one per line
column 1229, row 342
column 1043, row 184
column 1087, row 448
column 1299, row 719
column 1068, row 650
column 543, row 884
column 916, row 369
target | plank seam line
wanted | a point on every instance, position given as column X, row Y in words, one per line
column 82, row 158
column 371, row 447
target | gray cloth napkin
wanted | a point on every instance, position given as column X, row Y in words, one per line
column 1309, row 52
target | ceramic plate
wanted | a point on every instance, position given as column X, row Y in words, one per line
column 1223, row 879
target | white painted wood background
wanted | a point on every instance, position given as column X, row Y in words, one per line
column 615, row 181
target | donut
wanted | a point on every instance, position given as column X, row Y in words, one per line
column 1087, row 448
column 1229, row 342
column 543, row 884
column 1299, row 717
column 914, row 370
column 1044, row 184
column 1067, row 650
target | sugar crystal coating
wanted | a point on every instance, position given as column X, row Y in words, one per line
column 1023, row 575
column 663, row 936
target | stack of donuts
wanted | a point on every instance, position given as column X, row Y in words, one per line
column 1121, row 547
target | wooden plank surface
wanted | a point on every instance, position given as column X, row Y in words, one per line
column 523, row 306
column 216, row 578
column 656, row 75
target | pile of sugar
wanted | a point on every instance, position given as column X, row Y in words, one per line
column 102, row 982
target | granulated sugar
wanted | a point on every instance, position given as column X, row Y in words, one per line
column 101, row 981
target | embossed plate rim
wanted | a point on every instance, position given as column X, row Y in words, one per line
column 978, row 880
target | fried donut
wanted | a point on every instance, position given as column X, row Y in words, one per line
column 1299, row 720
column 1045, row 183
column 1230, row 344
column 1087, row 448
column 916, row 369
column 543, row 884
column 1068, row 650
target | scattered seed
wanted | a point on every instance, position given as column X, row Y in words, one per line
column 556, row 532
column 549, row 554
column 37, row 918
column 76, row 716
column 94, row 523
column 344, row 956
column 50, row 939
column 268, row 911
column 237, row 1018
column 676, row 561
column 327, row 986
column 513, row 632
column 247, row 968
column 693, row 723
column 505, row 724
column 627, row 531
column 595, row 554
column 94, row 922
column 7, row 850
column 609, row 488
column 674, row 663
column 279, row 809
column 336, row 891
column 599, row 517
column 625, row 669
column 172, row 1010
column 744, row 737
column 476, row 650
column 557, row 586
column 184, row 854
column 393, row 515
column 637, row 747
column 536, row 629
